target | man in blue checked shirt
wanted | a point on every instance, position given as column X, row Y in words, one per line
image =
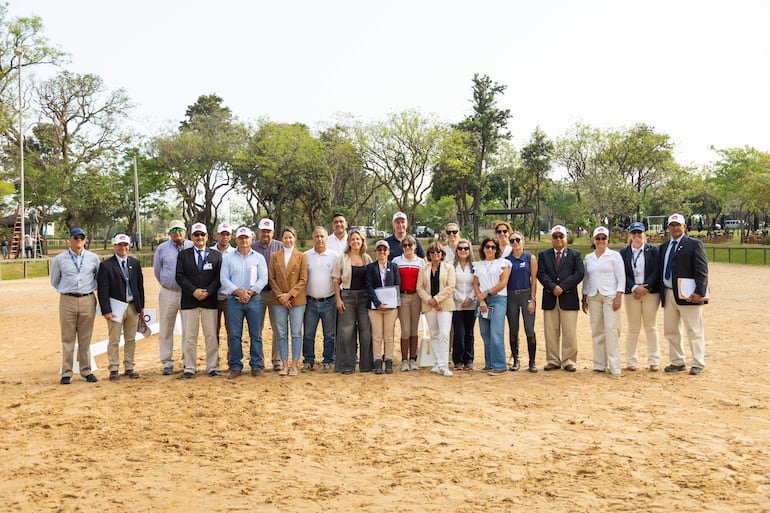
column 243, row 276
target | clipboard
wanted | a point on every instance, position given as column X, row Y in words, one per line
column 388, row 296
column 685, row 287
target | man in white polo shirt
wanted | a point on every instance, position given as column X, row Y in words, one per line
column 321, row 304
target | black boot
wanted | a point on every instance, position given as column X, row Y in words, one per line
column 532, row 350
column 378, row 366
column 388, row 366
column 515, row 353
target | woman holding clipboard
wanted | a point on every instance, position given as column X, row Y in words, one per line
column 383, row 274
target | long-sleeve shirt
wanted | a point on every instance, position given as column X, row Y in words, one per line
column 246, row 273
column 74, row 274
column 164, row 263
column 605, row 275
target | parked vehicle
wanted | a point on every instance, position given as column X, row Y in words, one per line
column 423, row 231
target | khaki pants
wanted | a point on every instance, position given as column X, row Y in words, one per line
column 642, row 313
column 76, row 321
column 128, row 328
column 383, row 328
column 192, row 319
column 691, row 317
column 168, row 306
column 560, row 324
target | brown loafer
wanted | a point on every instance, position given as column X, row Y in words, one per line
column 131, row 374
column 570, row 368
column 631, row 368
column 654, row 368
column 550, row 367
column 256, row 372
column 234, row 374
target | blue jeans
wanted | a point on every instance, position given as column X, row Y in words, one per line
column 326, row 312
column 252, row 311
column 283, row 317
column 493, row 333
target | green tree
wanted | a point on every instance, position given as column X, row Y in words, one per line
column 536, row 163
column 487, row 125
column 454, row 172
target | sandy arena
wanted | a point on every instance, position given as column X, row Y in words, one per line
column 407, row 442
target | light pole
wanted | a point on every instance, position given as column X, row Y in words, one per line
column 136, row 205
column 20, row 52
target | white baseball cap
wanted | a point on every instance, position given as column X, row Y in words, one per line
column 399, row 215
column 559, row 229
column 676, row 218
column 121, row 238
column 601, row 230
column 225, row 227
column 198, row 227
column 243, row 231
column 266, row 224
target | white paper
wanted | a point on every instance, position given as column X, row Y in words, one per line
column 686, row 288
column 118, row 309
column 252, row 275
column 388, row 296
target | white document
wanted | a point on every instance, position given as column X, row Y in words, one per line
column 252, row 275
column 686, row 288
column 118, row 310
column 388, row 296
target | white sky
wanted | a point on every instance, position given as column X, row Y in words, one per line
column 697, row 70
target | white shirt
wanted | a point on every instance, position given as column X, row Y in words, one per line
column 464, row 287
column 319, row 273
column 637, row 265
column 604, row 275
column 337, row 245
column 488, row 272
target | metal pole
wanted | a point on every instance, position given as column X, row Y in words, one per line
column 22, row 242
column 136, row 203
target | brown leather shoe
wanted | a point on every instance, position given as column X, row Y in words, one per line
column 131, row 374
column 654, row 368
column 256, row 372
column 631, row 368
column 550, row 367
column 570, row 368
column 234, row 374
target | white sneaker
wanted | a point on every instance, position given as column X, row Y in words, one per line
column 435, row 369
column 413, row 365
column 444, row 371
column 404, row 365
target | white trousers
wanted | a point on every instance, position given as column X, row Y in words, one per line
column 605, row 332
column 439, row 324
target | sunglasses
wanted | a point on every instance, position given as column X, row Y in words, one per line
column 515, row 240
column 463, row 248
column 502, row 231
column 557, row 236
column 199, row 234
column 79, row 237
column 176, row 230
column 381, row 248
column 489, row 246
column 408, row 245
column 452, row 232
column 600, row 238
column 434, row 251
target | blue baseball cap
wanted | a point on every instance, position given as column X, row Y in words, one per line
column 636, row 227
column 77, row 231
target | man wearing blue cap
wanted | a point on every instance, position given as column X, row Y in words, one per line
column 73, row 274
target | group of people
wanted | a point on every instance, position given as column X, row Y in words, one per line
column 357, row 300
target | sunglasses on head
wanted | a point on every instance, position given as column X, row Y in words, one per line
column 452, row 232
column 463, row 248
column 176, row 230
column 515, row 239
column 501, row 231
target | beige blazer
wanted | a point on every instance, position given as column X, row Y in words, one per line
column 342, row 271
column 288, row 278
column 446, row 282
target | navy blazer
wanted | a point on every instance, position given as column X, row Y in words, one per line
column 110, row 283
column 190, row 278
column 650, row 254
column 569, row 274
column 373, row 280
column 689, row 261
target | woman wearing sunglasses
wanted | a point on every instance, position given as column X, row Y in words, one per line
column 502, row 232
column 435, row 286
column 522, row 291
column 603, row 288
column 464, row 316
column 490, row 277
column 382, row 317
column 409, row 265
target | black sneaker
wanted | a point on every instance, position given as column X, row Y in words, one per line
column 90, row 378
column 187, row 375
column 214, row 373
column 168, row 371
column 65, row 380
column 114, row 375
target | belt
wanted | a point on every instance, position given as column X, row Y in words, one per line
column 320, row 299
column 520, row 291
column 409, row 292
column 74, row 294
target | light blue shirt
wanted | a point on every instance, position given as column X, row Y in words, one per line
column 164, row 263
column 239, row 272
column 220, row 294
column 667, row 282
column 74, row 274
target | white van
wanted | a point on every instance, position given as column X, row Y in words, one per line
column 733, row 224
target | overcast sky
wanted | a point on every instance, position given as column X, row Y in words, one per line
column 697, row 70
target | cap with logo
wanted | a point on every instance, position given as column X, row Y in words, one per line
column 266, row 224
column 676, row 218
column 636, row 227
column 399, row 215
column 243, row 231
column 382, row 243
column 225, row 227
column 600, row 230
column 559, row 229
column 121, row 238
column 198, row 227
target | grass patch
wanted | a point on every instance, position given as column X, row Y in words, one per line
column 15, row 270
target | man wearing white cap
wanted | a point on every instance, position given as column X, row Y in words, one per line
column 197, row 273
column 400, row 225
column 120, row 287
column 224, row 236
column 170, row 296
column 266, row 245
column 559, row 271
column 684, row 275
column 243, row 276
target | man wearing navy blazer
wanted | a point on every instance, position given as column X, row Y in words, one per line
column 642, row 297
column 197, row 273
column 683, row 257
column 560, row 270
column 120, row 278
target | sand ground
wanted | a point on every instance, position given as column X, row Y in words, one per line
column 410, row 441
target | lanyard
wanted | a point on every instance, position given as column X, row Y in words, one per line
column 635, row 259
column 75, row 261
